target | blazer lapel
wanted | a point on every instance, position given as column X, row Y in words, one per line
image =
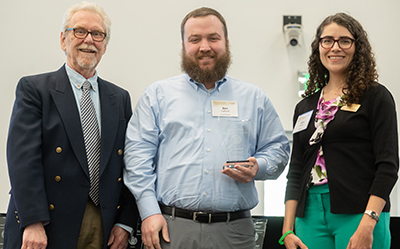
column 109, row 121
column 65, row 102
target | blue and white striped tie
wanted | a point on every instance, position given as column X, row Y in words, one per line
column 91, row 135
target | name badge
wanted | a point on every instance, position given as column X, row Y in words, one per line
column 350, row 108
column 302, row 121
column 222, row 108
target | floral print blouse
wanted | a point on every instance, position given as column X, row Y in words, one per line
column 325, row 113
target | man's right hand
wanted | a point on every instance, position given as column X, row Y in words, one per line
column 34, row 237
column 151, row 227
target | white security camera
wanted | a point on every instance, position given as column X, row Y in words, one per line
column 293, row 34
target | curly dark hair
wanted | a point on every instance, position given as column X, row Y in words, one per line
column 361, row 74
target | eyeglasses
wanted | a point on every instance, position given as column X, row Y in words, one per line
column 82, row 33
column 344, row 42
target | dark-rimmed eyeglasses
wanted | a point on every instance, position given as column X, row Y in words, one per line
column 344, row 42
column 82, row 33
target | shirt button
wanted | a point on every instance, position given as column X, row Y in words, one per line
column 209, row 130
column 208, row 150
column 209, row 111
column 205, row 194
column 207, row 171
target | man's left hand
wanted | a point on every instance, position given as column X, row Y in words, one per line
column 118, row 238
column 242, row 173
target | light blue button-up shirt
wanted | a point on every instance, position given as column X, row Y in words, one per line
column 77, row 81
column 175, row 146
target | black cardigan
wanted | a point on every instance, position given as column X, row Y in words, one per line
column 360, row 150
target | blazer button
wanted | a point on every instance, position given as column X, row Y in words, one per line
column 18, row 221
column 58, row 178
column 118, row 207
column 119, row 152
column 51, row 207
column 58, row 150
column 119, row 179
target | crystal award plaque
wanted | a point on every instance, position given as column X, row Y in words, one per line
column 235, row 136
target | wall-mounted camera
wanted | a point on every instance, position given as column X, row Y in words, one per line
column 293, row 30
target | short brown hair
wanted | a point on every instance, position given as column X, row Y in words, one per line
column 201, row 12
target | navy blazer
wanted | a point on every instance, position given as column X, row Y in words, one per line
column 360, row 149
column 47, row 161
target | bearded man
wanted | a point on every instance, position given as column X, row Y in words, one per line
column 180, row 136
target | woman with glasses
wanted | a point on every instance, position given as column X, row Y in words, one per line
column 344, row 161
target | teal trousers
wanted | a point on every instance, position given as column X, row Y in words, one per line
column 319, row 228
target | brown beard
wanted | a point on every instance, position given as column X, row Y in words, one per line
column 192, row 68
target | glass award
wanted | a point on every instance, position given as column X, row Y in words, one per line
column 260, row 225
column 235, row 136
column 2, row 224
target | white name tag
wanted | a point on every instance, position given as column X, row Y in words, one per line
column 302, row 121
column 222, row 108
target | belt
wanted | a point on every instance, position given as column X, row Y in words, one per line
column 204, row 217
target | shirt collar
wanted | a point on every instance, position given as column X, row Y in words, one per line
column 196, row 85
column 77, row 80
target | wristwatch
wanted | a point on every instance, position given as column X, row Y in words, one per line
column 372, row 214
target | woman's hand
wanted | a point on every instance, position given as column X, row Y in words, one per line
column 363, row 237
column 293, row 242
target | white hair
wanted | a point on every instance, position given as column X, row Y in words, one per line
column 92, row 7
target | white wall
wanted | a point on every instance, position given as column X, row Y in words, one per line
column 145, row 46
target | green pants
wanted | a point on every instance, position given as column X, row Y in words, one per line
column 321, row 229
